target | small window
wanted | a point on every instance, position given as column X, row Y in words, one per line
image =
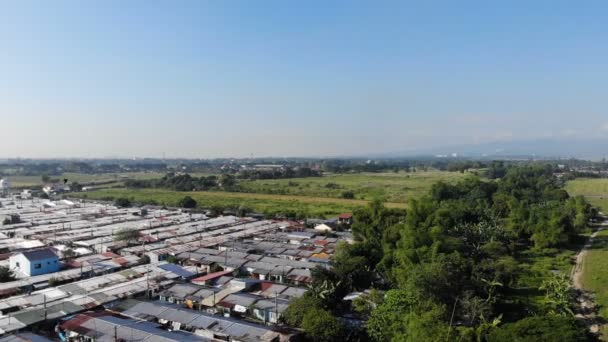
column 55, row 261
column 48, row 262
column 17, row 264
column 37, row 266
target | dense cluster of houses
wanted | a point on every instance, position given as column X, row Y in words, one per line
column 185, row 277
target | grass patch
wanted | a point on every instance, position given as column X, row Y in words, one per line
column 392, row 187
column 595, row 271
column 595, row 190
column 82, row 178
column 263, row 203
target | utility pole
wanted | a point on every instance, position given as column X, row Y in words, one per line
column 276, row 306
column 148, row 282
column 226, row 257
column 45, row 312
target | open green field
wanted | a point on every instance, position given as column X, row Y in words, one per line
column 263, row 203
column 310, row 197
column 83, row 178
column 595, row 274
column 595, row 264
column 595, row 190
column 392, row 187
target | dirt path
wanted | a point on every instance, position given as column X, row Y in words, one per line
column 588, row 310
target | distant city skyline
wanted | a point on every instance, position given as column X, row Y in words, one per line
column 198, row 79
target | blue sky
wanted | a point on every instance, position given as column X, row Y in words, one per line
column 287, row 78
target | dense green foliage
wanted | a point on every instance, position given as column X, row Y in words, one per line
column 122, row 202
column 180, row 182
column 187, row 202
column 452, row 262
column 540, row 329
column 127, row 235
column 6, row 274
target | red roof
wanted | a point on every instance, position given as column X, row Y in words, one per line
column 321, row 242
column 110, row 255
column 265, row 285
column 345, row 216
column 75, row 323
column 147, row 238
column 121, row 261
column 210, row 276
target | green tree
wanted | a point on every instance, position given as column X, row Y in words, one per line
column 6, row 274
column 559, row 296
column 69, row 254
column 320, row 325
column 348, row 194
column 127, row 235
column 298, row 307
column 243, row 210
column 187, row 202
column 53, row 282
column 366, row 303
column 172, row 259
column 122, row 202
column 403, row 317
column 540, row 329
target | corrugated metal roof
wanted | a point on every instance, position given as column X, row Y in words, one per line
column 177, row 270
column 40, row 254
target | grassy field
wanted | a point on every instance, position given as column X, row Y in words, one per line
column 595, row 190
column 32, row 181
column 595, row 271
column 263, row 203
column 595, row 264
column 307, row 196
column 392, row 187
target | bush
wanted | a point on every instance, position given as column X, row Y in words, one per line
column 348, row 195
column 540, row 329
column 187, row 202
column 320, row 325
column 122, row 202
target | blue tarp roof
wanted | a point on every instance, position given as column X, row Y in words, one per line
column 173, row 268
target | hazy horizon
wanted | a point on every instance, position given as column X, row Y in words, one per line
column 235, row 79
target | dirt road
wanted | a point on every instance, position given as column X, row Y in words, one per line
column 585, row 299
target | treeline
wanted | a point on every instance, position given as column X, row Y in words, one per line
column 185, row 182
column 450, row 265
column 227, row 182
column 287, row 172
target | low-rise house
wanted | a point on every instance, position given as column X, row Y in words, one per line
column 299, row 276
column 237, row 304
column 106, row 327
column 297, row 238
column 292, row 292
column 179, row 293
column 183, row 273
column 202, row 324
column 195, row 300
column 35, row 262
column 345, row 219
column 269, row 310
column 210, row 278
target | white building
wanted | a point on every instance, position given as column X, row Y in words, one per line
column 36, row 262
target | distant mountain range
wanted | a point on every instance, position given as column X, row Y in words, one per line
column 542, row 148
